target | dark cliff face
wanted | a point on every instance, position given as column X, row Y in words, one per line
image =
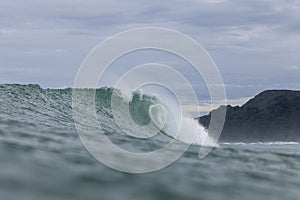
column 272, row 115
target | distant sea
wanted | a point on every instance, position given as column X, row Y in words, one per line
column 41, row 157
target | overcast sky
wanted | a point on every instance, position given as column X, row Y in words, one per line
column 255, row 43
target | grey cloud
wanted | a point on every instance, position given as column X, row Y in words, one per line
column 249, row 40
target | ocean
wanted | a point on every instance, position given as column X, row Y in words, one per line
column 42, row 157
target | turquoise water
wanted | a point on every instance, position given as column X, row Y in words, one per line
column 41, row 157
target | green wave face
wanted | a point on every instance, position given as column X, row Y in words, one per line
column 56, row 103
